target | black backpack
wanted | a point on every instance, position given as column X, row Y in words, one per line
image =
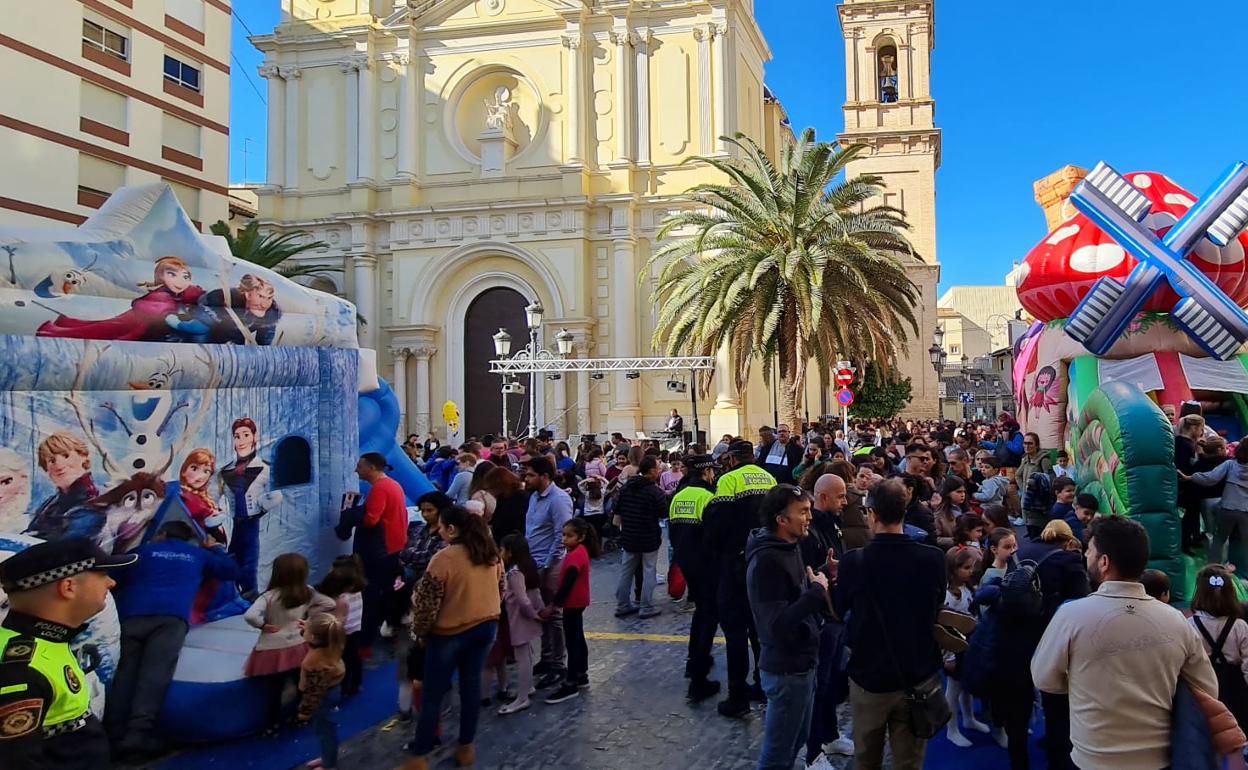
column 1022, row 596
column 1038, row 493
column 1232, row 689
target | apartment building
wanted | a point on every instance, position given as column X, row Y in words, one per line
column 104, row 93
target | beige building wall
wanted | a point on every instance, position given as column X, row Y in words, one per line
column 88, row 106
column 991, row 308
column 387, row 141
column 903, row 147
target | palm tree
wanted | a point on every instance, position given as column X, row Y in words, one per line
column 271, row 250
column 786, row 263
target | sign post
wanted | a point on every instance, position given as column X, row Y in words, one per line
column 845, row 397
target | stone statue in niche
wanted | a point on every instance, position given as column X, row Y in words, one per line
column 498, row 110
column 888, row 65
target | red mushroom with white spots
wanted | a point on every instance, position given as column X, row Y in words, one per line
column 1061, row 269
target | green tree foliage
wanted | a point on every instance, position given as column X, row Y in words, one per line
column 880, row 396
column 271, row 250
column 785, row 261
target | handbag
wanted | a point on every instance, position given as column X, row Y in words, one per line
column 927, row 710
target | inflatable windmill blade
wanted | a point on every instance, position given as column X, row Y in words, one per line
column 1208, row 316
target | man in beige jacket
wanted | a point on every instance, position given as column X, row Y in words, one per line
column 1119, row 654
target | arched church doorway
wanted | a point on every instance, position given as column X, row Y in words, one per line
column 483, row 399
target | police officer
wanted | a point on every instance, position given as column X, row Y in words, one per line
column 45, row 717
column 693, row 557
column 728, row 519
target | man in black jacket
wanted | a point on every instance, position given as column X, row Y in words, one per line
column 789, row 602
column 640, row 507
column 831, row 684
column 781, row 456
column 727, row 522
column 893, row 650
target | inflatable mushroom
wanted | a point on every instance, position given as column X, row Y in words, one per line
column 1062, row 268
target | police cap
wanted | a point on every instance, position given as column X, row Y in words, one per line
column 699, row 462
column 45, row 563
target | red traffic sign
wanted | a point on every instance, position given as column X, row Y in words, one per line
column 844, row 377
column 845, row 397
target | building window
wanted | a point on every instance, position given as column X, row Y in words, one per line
column 955, row 350
column 189, row 12
column 102, row 112
column 97, row 179
column 181, row 73
column 180, row 135
column 886, row 66
column 105, row 40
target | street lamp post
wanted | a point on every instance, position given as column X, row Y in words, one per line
column 936, row 353
column 531, row 352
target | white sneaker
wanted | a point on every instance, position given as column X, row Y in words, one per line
column 974, row 724
column 957, row 738
column 387, row 631
column 998, row 735
column 820, row 763
column 519, row 704
column 843, row 746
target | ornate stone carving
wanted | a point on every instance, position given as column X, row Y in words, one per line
column 290, row 73
column 423, row 352
column 269, row 70
column 621, row 37
column 498, row 110
column 571, row 42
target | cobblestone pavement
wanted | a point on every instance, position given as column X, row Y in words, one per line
column 633, row 716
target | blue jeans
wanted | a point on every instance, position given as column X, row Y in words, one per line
column 444, row 655
column 326, row 726
column 790, row 698
column 629, row 562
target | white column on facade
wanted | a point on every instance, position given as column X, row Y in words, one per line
column 644, row 40
column 726, row 394
column 367, row 116
column 703, row 35
column 365, row 268
column 576, row 89
column 399, row 386
column 421, row 424
column 623, row 94
column 582, row 394
column 349, row 71
column 275, row 168
column 852, row 88
column 723, row 71
column 624, row 321
column 407, row 114
column 291, row 76
column 560, row 418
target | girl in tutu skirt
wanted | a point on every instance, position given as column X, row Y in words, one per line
column 279, row 613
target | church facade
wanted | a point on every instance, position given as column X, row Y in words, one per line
column 463, row 158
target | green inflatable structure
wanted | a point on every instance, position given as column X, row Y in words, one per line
column 1124, row 455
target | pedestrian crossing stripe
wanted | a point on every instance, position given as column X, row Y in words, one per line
column 622, row 637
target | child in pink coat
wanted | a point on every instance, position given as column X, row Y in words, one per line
column 522, row 599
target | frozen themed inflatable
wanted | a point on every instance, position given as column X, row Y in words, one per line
column 1138, row 297
column 152, row 377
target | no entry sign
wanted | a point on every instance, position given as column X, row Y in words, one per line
column 845, row 397
column 844, row 377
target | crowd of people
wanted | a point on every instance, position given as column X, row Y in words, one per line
column 934, row 576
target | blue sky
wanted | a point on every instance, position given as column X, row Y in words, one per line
column 1021, row 88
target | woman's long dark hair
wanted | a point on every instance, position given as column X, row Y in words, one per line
column 471, row 533
column 521, row 558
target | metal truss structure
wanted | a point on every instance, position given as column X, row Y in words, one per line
column 523, row 364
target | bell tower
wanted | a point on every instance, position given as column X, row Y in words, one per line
column 890, row 109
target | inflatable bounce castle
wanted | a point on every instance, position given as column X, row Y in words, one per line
column 1138, row 296
column 151, row 377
